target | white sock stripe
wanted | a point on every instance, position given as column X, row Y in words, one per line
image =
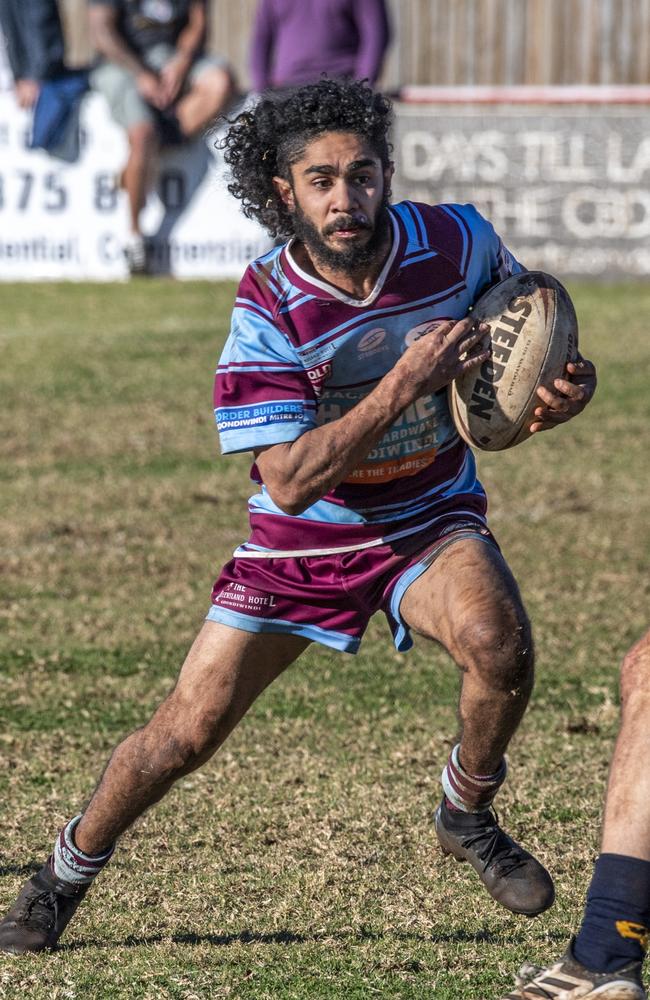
column 71, row 864
column 91, row 860
column 467, row 792
column 480, row 781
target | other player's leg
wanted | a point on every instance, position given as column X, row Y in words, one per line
column 606, row 956
column 468, row 601
column 225, row 670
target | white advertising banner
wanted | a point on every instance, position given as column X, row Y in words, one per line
column 566, row 187
column 70, row 221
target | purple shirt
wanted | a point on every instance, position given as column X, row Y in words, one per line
column 295, row 41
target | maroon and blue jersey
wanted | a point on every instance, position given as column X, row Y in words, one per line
column 302, row 353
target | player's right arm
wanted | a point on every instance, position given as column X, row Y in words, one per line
column 298, row 473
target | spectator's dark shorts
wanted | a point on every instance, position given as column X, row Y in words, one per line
column 118, row 86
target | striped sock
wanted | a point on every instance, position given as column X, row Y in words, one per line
column 471, row 793
column 71, row 865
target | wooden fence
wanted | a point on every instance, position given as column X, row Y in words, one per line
column 448, row 42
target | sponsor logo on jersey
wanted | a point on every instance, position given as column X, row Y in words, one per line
column 384, row 472
column 373, row 341
column 235, row 417
column 318, row 375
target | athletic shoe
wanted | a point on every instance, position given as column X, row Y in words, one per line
column 41, row 913
column 569, row 980
column 135, row 253
column 510, row 874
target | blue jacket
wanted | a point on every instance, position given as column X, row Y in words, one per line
column 34, row 38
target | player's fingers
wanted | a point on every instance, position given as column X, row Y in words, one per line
column 458, row 329
column 473, row 339
column 582, row 367
column 549, row 420
column 571, row 389
column 473, row 360
column 552, row 400
column 466, row 328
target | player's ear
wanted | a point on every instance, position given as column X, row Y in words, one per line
column 285, row 191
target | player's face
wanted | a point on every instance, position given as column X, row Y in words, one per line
column 337, row 200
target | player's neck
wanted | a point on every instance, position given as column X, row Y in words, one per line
column 357, row 283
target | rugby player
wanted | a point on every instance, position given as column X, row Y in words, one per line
column 343, row 341
column 605, row 958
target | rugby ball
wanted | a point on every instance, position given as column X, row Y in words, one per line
column 533, row 334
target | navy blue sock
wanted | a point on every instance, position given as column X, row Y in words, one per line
column 617, row 915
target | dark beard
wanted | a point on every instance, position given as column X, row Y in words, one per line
column 351, row 258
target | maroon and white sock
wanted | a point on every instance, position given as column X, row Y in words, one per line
column 71, row 865
column 471, row 793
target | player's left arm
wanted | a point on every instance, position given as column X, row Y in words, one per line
column 569, row 396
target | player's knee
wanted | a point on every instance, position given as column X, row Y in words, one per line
column 500, row 650
column 635, row 670
column 177, row 741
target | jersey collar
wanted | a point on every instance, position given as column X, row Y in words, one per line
column 324, row 290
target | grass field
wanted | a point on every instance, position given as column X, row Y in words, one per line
column 301, row 862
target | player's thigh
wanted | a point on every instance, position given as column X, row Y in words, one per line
column 468, row 598
column 227, row 668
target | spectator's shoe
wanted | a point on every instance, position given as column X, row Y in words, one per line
column 569, row 980
column 510, row 874
column 135, row 252
column 41, row 913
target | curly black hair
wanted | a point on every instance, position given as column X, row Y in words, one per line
column 263, row 142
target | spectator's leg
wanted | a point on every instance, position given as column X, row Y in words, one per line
column 208, row 95
column 143, row 145
column 129, row 110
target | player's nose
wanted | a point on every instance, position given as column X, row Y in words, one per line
column 345, row 197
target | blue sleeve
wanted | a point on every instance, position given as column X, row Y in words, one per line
column 262, row 394
column 490, row 260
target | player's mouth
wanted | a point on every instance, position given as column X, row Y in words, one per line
column 348, row 229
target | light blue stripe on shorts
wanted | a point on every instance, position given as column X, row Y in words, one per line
column 336, row 640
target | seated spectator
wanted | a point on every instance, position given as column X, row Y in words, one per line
column 34, row 44
column 159, row 85
column 297, row 41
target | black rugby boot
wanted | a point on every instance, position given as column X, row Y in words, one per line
column 41, row 913
column 511, row 875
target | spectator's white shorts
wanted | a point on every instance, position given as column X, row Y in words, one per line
column 118, row 85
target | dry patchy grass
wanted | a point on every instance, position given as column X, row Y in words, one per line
column 301, row 862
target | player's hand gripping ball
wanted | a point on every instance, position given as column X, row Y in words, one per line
column 533, row 335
